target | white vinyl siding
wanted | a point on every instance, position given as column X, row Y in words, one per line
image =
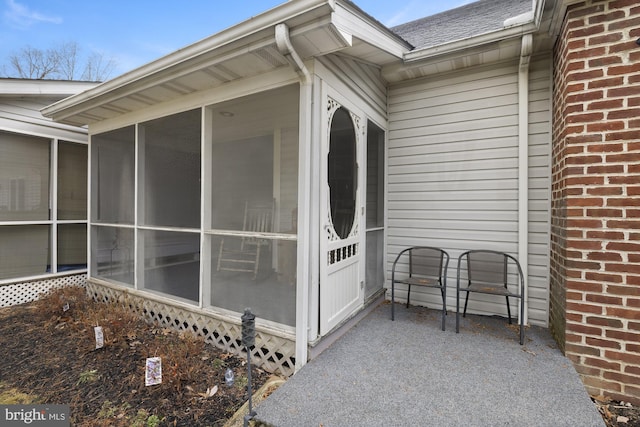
column 453, row 173
column 362, row 78
column 539, row 189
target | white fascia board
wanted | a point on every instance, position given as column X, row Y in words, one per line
column 349, row 19
column 268, row 19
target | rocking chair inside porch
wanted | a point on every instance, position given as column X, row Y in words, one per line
column 242, row 253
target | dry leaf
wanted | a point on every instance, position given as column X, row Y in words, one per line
column 210, row 392
column 622, row 419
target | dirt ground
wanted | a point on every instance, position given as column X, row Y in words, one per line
column 618, row 414
column 49, row 356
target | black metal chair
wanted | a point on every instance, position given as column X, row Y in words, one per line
column 490, row 272
column 427, row 267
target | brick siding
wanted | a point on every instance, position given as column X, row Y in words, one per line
column 595, row 226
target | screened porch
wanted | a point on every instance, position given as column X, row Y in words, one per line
column 170, row 195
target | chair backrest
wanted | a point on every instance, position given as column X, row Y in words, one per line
column 487, row 267
column 258, row 217
column 427, row 261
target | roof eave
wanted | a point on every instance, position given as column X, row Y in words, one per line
column 517, row 26
column 460, row 45
column 70, row 106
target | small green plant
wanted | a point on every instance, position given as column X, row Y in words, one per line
column 110, row 411
column 88, row 377
column 143, row 419
column 218, row 363
column 107, row 410
column 154, row 421
column 241, row 382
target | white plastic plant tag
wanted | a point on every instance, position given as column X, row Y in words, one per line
column 153, row 372
column 99, row 337
column 65, row 307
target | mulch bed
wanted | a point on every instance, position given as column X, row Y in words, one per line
column 49, row 354
column 616, row 413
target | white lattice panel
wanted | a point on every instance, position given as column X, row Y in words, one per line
column 20, row 293
column 271, row 353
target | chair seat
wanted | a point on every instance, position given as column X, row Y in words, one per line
column 418, row 281
column 490, row 288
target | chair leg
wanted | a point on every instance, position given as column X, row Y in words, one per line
column 408, row 294
column 392, row 300
column 457, row 310
column 508, row 310
column 444, row 300
column 255, row 267
column 444, row 306
column 521, row 320
column 466, row 300
column 220, row 254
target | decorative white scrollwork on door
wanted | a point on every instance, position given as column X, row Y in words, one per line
column 342, row 179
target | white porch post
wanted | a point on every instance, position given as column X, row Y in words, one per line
column 304, row 186
column 523, row 166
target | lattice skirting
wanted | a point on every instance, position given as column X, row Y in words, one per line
column 271, row 353
column 23, row 292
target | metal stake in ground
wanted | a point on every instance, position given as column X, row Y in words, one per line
column 248, row 340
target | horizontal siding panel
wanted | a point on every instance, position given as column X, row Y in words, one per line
column 468, row 196
column 404, row 184
column 454, row 83
column 448, row 143
column 450, row 178
column 442, row 215
column 456, row 135
column 438, row 107
column 500, row 158
column 459, row 131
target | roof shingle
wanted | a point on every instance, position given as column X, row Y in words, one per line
column 466, row 21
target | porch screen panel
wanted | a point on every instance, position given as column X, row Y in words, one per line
column 112, row 254
column 72, row 247
column 24, row 177
column 374, row 279
column 112, row 171
column 255, row 166
column 172, row 263
column 72, row 181
column 172, row 170
column 24, row 250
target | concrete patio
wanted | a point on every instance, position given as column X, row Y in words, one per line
column 409, row 372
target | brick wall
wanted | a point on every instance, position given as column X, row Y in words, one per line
column 595, row 243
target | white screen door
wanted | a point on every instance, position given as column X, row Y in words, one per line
column 341, row 291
